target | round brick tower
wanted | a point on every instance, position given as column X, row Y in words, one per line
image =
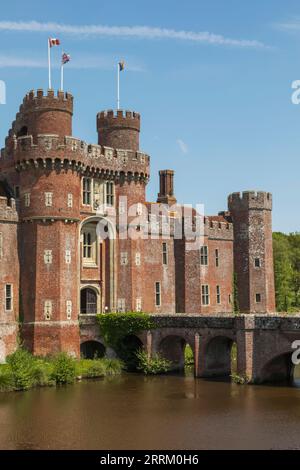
column 119, row 130
column 45, row 114
column 49, row 184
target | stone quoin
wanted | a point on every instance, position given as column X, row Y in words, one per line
column 56, row 268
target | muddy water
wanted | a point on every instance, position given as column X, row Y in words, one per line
column 166, row 412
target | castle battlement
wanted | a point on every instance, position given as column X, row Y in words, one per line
column 250, row 200
column 120, row 114
column 77, row 152
column 218, row 229
column 35, row 101
column 8, row 212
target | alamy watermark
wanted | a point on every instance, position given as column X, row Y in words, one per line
column 160, row 221
column 2, row 92
column 296, row 353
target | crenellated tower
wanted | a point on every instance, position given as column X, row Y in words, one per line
column 48, row 182
column 251, row 213
column 120, row 130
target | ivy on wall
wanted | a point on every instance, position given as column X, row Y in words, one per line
column 118, row 330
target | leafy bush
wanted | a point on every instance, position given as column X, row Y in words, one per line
column 42, row 373
column 91, row 368
column 188, row 356
column 64, row 370
column 152, row 365
column 21, row 363
column 6, row 379
column 239, row 379
column 113, row 366
column 25, row 371
column 87, row 368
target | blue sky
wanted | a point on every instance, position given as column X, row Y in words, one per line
column 216, row 107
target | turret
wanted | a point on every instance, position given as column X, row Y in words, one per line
column 49, row 211
column 253, row 250
column 119, row 130
column 44, row 114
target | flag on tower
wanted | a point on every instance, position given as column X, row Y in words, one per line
column 65, row 58
column 54, row 42
column 121, row 66
column 51, row 42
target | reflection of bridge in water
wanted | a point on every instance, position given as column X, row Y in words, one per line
column 264, row 343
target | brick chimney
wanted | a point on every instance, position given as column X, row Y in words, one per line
column 166, row 187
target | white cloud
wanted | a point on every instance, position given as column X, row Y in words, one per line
column 291, row 25
column 144, row 32
column 183, row 146
column 77, row 62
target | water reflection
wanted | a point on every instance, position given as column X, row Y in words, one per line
column 166, row 412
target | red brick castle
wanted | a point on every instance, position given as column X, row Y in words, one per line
column 61, row 256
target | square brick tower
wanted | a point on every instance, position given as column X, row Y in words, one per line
column 251, row 213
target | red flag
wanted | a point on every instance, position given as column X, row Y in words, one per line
column 54, row 42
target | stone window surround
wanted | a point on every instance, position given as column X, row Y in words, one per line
column 92, row 261
column 217, row 257
column 70, row 200
column 138, row 304
column 48, row 257
column 87, row 191
column 8, row 296
column 164, row 253
column 205, row 295
column 48, row 198
column 204, row 255
column 157, row 294
column 123, row 258
column 27, row 199
column 48, row 306
column 218, row 294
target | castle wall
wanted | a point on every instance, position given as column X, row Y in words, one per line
column 9, row 275
column 51, row 169
column 218, row 271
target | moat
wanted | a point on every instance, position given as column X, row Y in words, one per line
column 161, row 412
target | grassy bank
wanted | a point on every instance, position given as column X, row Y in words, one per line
column 24, row 371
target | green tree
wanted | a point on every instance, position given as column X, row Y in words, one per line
column 236, row 307
column 284, row 272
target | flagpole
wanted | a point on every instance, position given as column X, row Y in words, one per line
column 49, row 66
column 62, row 77
column 118, row 100
column 62, row 74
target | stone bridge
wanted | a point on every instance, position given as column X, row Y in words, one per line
column 264, row 343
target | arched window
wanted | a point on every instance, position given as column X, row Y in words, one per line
column 88, row 301
column 22, row 132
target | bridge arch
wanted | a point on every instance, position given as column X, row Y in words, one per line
column 218, row 356
column 278, row 368
column 128, row 347
column 92, row 349
column 172, row 347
